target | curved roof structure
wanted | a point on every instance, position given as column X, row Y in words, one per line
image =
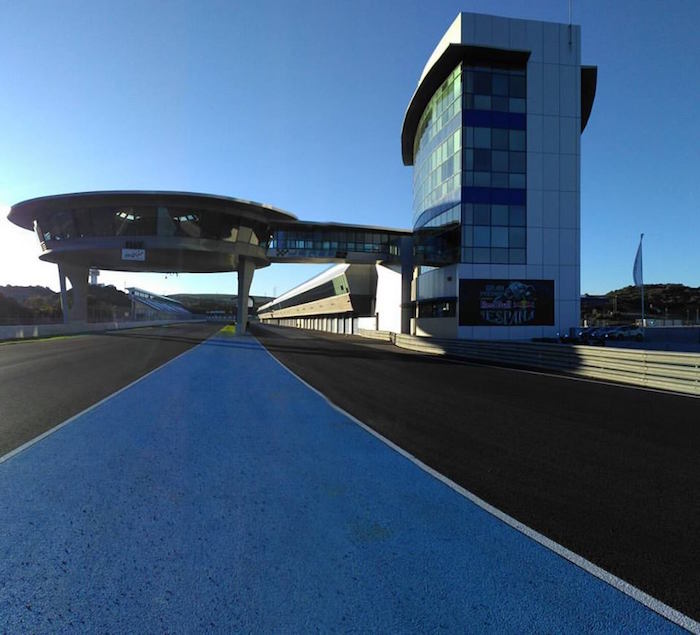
column 450, row 51
column 24, row 213
column 589, row 81
column 137, row 230
column 434, row 75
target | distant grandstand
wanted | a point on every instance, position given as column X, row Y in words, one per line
column 218, row 305
column 151, row 306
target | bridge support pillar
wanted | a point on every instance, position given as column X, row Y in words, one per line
column 78, row 276
column 65, row 309
column 406, row 279
column 246, row 268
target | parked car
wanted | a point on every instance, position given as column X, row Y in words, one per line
column 567, row 337
column 574, row 335
column 597, row 335
column 629, row 332
column 583, row 334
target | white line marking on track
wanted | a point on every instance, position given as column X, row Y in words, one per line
column 50, row 431
column 640, row 596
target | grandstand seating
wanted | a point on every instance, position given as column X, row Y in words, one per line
column 164, row 307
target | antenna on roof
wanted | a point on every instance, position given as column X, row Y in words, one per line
column 571, row 11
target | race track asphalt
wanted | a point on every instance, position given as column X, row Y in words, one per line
column 44, row 382
column 609, row 472
column 219, row 494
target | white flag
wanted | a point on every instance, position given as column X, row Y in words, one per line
column 637, row 270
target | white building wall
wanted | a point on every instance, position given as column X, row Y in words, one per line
column 553, row 169
column 437, row 283
column 388, row 299
column 367, row 323
column 554, row 194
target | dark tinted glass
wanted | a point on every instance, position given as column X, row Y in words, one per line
column 500, row 104
column 467, row 213
column 499, row 161
column 499, row 215
column 482, row 236
column 499, row 84
column 517, row 256
column 518, row 162
column 481, row 215
column 482, row 254
column 517, row 216
column 482, row 160
column 499, row 256
column 482, row 83
column 499, row 139
column 516, row 237
column 517, row 86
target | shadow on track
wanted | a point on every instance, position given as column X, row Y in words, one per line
column 360, row 349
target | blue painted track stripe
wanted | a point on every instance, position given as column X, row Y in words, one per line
column 627, row 588
column 97, row 404
column 219, row 494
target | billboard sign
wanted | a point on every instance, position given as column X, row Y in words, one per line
column 506, row 302
column 134, row 254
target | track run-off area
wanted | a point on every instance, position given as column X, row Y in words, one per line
column 44, row 382
column 220, row 493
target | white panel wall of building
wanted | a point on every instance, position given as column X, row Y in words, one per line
column 388, row 300
column 553, row 171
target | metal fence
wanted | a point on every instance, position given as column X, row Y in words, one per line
column 677, row 372
column 29, row 331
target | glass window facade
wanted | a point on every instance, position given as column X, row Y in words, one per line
column 142, row 221
column 472, row 209
column 493, row 233
column 180, row 222
column 437, row 175
column 437, row 150
column 331, row 242
column 494, row 166
column 439, row 308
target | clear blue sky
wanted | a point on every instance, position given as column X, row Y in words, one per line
column 300, row 104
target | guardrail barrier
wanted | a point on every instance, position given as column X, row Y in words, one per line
column 30, row 331
column 677, row 372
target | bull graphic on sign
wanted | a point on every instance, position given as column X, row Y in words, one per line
column 514, row 305
column 517, row 292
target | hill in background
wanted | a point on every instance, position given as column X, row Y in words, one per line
column 667, row 301
column 29, row 304
column 22, row 294
column 35, row 304
column 12, row 311
column 41, row 304
column 204, row 302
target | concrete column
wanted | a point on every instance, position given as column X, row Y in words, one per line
column 246, row 268
column 78, row 277
column 65, row 309
column 406, row 278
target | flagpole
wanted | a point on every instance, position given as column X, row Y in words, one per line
column 642, row 272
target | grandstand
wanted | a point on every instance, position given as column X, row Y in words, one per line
column 151, row 306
